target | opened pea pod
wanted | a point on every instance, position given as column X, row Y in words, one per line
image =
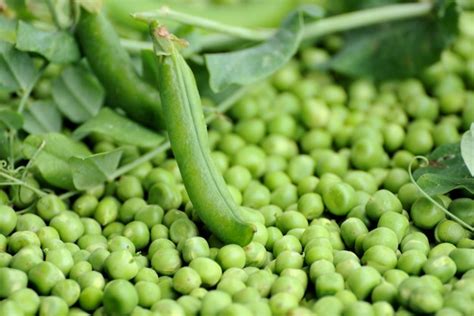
column 187, row 133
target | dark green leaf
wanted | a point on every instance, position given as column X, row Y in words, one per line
column 42, row 117
column 52, row 161
column 17, row 71
column 398, row 49
column 435, row 184
column 78, row 94
column 10, row 119
column 258, row 62
column 446, row 171
column 467, row 149
column 122, row 130
column 7, row 29
column 58, row 47
column 94, row 170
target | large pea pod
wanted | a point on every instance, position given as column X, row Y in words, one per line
column 187, row 133
column 112, row 65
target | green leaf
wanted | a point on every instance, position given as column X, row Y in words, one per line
column 122, row 130
column 42, row 117
column 10, row 119
column 94, row 170
column 446, row 171
column 52, row 161
column 17, row 71
column 398, row 49
column 7, row 29
column 78, row 94
column 253, row 64
column 58, row 47
column 467, row 149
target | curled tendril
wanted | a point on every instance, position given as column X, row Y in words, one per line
column 426, row 195
column 3, row 164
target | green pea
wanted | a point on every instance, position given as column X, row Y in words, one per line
column 230, row 285
column 463, row 258
column 386, row 292
column 148, row 293
column 425, row 300
column 231, row 256
column 11, row 280
column 191, row 305
column 182, row 229
column 281, row 303
column 120, row 264
column 311, row 205
column 380, row 257
column 138, row 233
column 44, row 276
column 19, row 240
column 412, row 261
column 262, row 281
column 5, row 259
column 381, row 202
column 288, row 259
column 120, row 297
column 8, row 220
column 425, row 214
column 129, row 187
column 397, row 222
column 209, row 270
column 329, row 284
column 255, row 254
column 381, row 236
column 52, row 305
column 121, row 243
column 284, row 196
column 328, row 305
column 166, row 261
column 78, row 269
column 395, row 276
column 442, row 267
column 367, row 154
column 351, row 228
column 91, row 242
column 339, row 198
column 165, row 195
column 85, row 205
column 459, row 300
column 113, row 229
column 415, row 240
column 49, row 206
column 449, row 231
column 359, row 308
column 361, row 180
column 97, row 258
column 68, row 290
column 215, row 301
column 27, row 300
column 291, row 219
column 61, row 258
column 90, row 298
column 194, row 247
column 106, row 211
column 418, row 141
column 363, row 280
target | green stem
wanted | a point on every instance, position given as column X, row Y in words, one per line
column 188, row 19
column 314, row 30
column 426, row 195
column 221, row 108
column 22, row 183
column 348, row 21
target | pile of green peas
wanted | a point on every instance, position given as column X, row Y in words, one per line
column 321, row 169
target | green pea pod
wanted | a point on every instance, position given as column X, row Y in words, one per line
column 188, row 137
column 112, row 65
